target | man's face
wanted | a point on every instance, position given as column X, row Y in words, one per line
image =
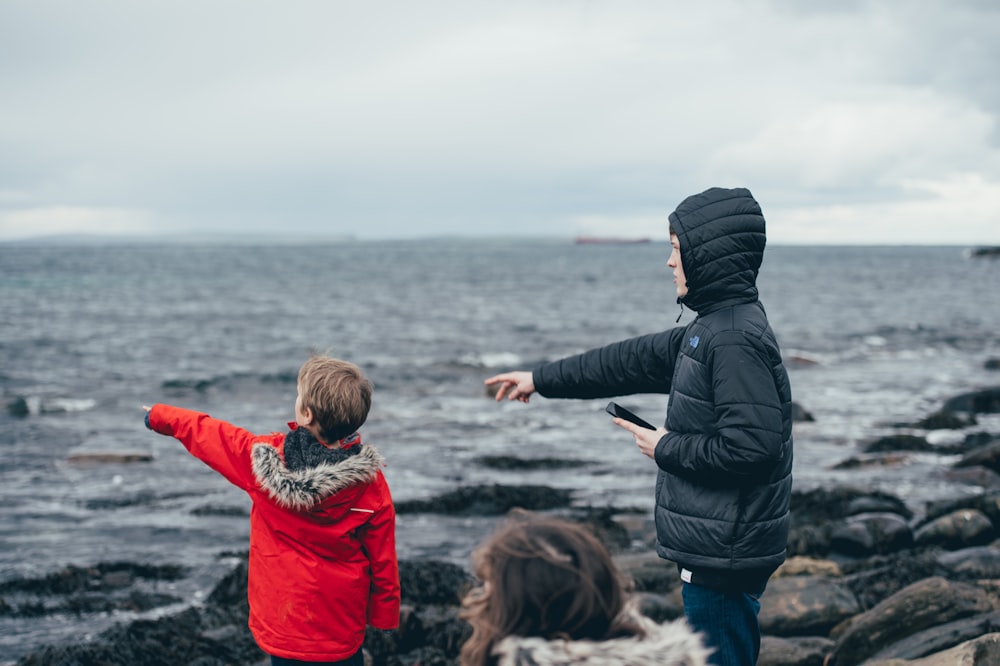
column 675, row 264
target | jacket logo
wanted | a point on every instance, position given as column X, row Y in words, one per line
column 694, row 341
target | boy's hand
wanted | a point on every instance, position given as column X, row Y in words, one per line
column 645, row 438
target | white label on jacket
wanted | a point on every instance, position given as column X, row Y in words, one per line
column 685, row 575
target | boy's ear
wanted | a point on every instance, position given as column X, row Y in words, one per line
column 306, row 412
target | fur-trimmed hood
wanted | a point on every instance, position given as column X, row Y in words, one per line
column 302, row 489
column 669, row 644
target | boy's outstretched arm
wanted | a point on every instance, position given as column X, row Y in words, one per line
column 221, row 445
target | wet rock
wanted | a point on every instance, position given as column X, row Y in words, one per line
column 175, row 639
column 433, row 582
column 871, row 534
column 986, row 456
column 945, row 420
column 971, row 564
column 878, row 460
column 660, row 607
column 513, row 463
column 102, row 588
column 18, row 407
column 877, row 578
column 984, row 401
column 489, row 500
column 928, row 603
column 801, row 414
column 108, row 458
column 649, row 572
column 973, row 476
column 898, row 442
column 803, row 651
column 988, row 504
column 827, row 504
column 940, row 643
column 220, row 510
column 807, row 566
column 805, row 605
column 960, row 529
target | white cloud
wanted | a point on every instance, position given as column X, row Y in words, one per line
column 961, row 210
column 530, row 117
column 72, row 220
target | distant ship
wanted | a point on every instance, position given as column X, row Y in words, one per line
column 593, row 240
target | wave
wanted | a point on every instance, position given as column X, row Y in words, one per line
column 36, row 405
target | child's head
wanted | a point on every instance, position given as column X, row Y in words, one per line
column 545, row 577
column 334, row 398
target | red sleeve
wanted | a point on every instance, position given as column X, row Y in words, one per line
column 222, row 446
column 379, row 541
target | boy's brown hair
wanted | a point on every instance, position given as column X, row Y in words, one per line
column 337, row 393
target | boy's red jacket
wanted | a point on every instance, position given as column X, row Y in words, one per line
column 322, row 539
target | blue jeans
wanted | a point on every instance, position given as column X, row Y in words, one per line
column 728, row 621
column 357, row 659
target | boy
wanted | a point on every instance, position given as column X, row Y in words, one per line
column 724, row 458
column 322, row 526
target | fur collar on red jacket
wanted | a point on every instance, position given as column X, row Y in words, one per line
column 302, row 489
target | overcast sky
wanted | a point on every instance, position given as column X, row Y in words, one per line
column 851, row 121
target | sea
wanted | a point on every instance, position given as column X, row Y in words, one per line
column 89, row 333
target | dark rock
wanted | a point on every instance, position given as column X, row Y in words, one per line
column 879, row 460
column 942, row 637
column 800, row 414
column 877, row 578
column 108, row 458
column 973, row 476
column 804, row 651
column 74, row 579
column 513, row 463
column 810, row 540
column 826, row 504
column 649, row 572
column 18, row 407
column 928, row 603
column 489, row 500
column 971, row 564
column 899, row 442
column 871, row 534
column 805, row 605
column 992, row 364
column 988, row 504
column 945, row 420
column 987, row 456
column 977, row 440
column 960, row 529
column 984, row 401
column 220, row 510
column 660, row 607
column 433, row 582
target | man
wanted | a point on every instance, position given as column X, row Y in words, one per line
column 724, row 457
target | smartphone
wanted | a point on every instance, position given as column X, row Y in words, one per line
column 618, row 411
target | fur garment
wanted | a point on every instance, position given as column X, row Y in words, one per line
column 301, row 487
column 668, row 644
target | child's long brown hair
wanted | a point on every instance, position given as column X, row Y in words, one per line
column 547, row 577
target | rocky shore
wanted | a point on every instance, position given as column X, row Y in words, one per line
column 868, row 580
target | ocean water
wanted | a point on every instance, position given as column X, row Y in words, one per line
column 88, row 334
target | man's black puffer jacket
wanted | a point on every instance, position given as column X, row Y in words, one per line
column 725, row 464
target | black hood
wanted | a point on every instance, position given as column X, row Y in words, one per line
column 722, row 238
